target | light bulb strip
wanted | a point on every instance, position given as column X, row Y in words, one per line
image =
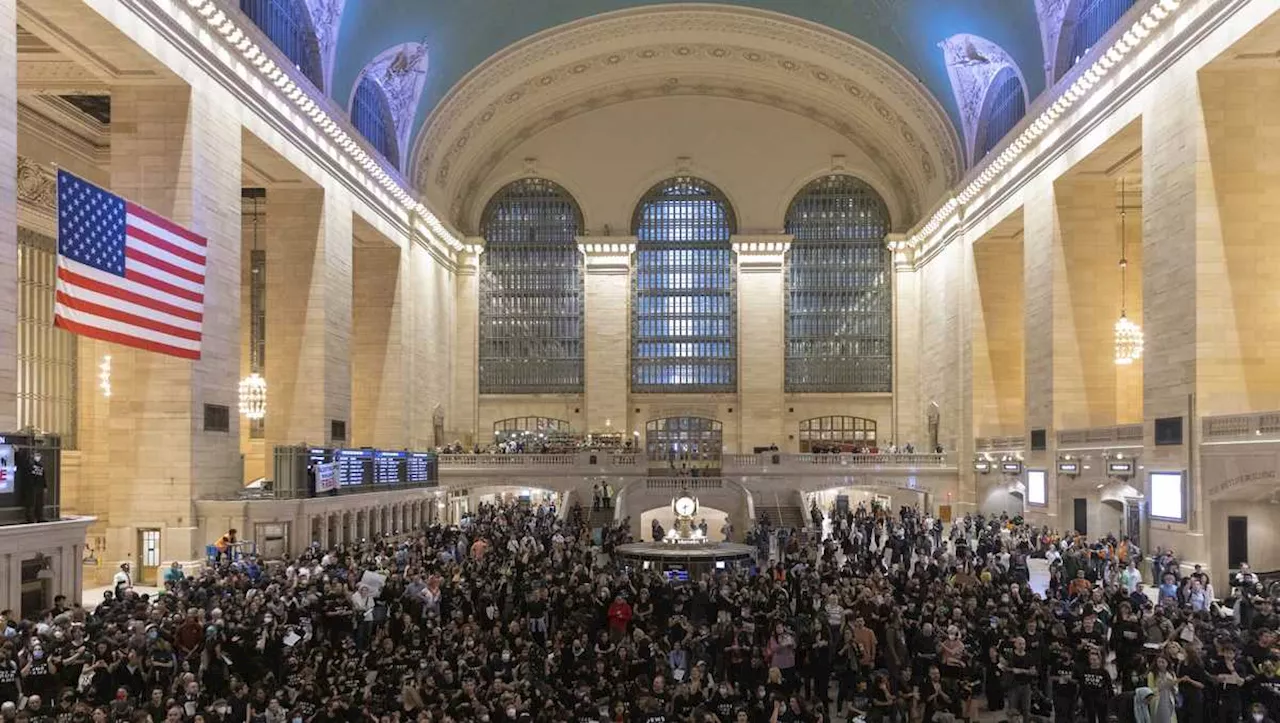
column 254, row 56
column 1155, row 16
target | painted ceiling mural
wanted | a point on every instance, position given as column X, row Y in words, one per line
column 973, row 64
column 458, row 36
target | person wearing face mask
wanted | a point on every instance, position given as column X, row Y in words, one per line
column 38, row 674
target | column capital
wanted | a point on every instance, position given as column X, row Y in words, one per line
column 904, row 252
column 761, row 253
column 469, row 256
column 607, row 254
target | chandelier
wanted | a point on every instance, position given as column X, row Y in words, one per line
column 1129, row 339
column 253, row 388
column 253, row 396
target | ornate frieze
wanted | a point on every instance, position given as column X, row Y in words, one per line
column 972, row 64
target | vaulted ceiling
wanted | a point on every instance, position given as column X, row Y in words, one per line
column 460, row 36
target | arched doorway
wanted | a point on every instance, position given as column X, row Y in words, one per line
column 837, row 434
column 684, row 442
column 714, row 518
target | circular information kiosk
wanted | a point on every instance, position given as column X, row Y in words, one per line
column 685, row 553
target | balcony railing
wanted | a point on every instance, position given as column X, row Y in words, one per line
column 588, row 461
column 693, row 484
column 821, row 462
column 1123, row 434
column 1240, row 426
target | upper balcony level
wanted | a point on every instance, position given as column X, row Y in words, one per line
column 455, row 466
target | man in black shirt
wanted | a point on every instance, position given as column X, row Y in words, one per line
column 1024, row 671
column 1062, row 674
column 1095, row 690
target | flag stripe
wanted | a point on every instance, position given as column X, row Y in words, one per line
column 150, row 278
column 78, row 274
column 115, row 303
column 179, row 254
column 121, row 315
column 94, row 332
column 134, row 253
column 164, row 223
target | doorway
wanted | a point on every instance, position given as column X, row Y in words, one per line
column 1081, row 515
column 148, row 557
column 1237, row 541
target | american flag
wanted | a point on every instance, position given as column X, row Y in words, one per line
column 125, row 274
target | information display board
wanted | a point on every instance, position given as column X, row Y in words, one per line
column 354, row 467
column 389, row 467
column 423, row 468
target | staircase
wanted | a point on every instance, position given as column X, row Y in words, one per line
column 784, row 516
column 599, row 518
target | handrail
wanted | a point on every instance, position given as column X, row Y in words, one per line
column 249, row 495
column 684, row 483
column 526, row 461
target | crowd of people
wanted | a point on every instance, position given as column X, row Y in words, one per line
column 516, row 616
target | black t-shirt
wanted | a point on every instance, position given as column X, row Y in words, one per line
column 1023, row 663
column 1063, row 674
column 654, row 717
column 725, row 706
column 1095, row 683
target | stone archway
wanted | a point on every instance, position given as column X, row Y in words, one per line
column 746, row 54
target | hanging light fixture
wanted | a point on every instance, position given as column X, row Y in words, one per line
column 253, row 388
column 1129, row 339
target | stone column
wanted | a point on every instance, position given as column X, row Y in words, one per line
column 308, row 315
column 466, row 378
column 908, row 422
column 607, row 303
column 380, row 395
column 1181, row 302
column 1043, row 287
column 8, row 214
column 176, row 151
column 761, row 338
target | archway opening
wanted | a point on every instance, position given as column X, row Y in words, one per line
column 684, row 444
column 713, row 519
column 838, row 434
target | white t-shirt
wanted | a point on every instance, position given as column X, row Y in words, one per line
column 122, row 578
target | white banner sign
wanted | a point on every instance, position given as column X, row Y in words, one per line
column 326, row 477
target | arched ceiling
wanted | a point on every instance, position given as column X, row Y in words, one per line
column 721, row 50
column 461, row 35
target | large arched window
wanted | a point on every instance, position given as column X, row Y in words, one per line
column 288, row 24
column 531, row 291
column 1084, row 25
column 1003, row 108
column 839, row 301
column 683, row 306
column 371, row 114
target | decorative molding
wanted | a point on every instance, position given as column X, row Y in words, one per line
column 757, row 53
column 326, row 20
column 1051, row 14
column 401, row 72
column 56, row 122
column 37, row 197
column 973, row 62
column 1115, row 53
column 607, row 258
column 240, row 58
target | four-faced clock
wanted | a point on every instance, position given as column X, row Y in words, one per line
column 686, row 506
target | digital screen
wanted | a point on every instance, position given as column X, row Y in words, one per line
column 982, row 466
column 1167, row 492
column 1120, row 467
column 1068, row 467
column 422, row 468
column 354, row 466
column 1037, row 494
column 1014, row 467
column 389, row 467
column 8, row 468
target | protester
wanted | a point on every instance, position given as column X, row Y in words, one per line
column 515, row 615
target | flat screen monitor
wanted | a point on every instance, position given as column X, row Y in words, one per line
column 1168, row 497
column 1037, row 487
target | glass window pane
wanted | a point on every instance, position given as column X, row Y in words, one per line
column 839, row 305
column 683, row 290
column 531, row 291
